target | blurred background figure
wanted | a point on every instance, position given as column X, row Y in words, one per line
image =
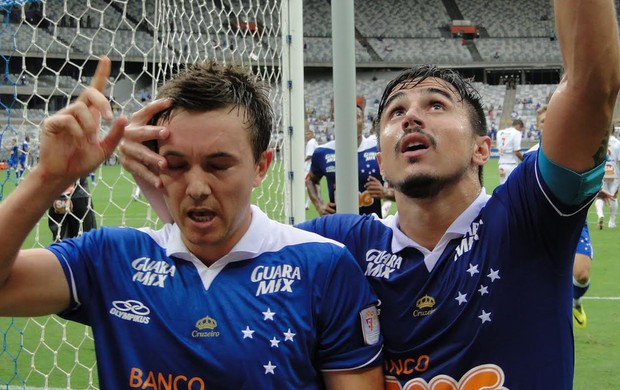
column 72, row 213
column 609, row 191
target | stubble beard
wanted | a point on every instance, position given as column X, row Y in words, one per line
column 426, row 186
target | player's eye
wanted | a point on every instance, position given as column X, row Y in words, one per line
column 396, row 111
column 436, row 105
column 175, row 163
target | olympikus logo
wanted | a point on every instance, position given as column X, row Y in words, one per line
column 131, row 310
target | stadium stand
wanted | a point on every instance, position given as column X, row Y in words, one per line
column 423, row 19
column 513, row 35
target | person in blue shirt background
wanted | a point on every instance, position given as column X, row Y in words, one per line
column 323, row 164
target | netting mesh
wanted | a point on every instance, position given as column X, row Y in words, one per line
column 48, row 53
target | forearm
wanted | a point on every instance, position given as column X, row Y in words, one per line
column 313, row 194
column 588, row 37
column 581, row 108
column 21, row 211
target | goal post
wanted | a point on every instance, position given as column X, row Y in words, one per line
column 48, row 53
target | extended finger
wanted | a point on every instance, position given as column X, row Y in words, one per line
column 93, row 96
column 102, row 73
column 88, row 123
column 144, row 133
column 146, row 113
column 97, row 103
column 141, row 171
column 140, row 153
column 137, row 164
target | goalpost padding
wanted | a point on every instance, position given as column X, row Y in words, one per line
column 48, row 53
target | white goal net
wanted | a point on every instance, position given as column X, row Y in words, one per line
column 48, row 53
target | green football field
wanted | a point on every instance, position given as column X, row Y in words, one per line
column 43, row 352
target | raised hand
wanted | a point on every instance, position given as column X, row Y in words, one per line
column 138, row 158
column 143, row 161
column 70, row 144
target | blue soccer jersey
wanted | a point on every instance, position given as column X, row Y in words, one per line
column 23, row 153
column 13, row 156
column 459, row 317
column 324, row 164
column 584, row 246
column 283, row 306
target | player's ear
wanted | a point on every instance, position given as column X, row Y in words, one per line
column 379, row 163
column 482, row 150
column 262, row 166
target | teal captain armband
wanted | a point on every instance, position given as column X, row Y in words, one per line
column 570, row 187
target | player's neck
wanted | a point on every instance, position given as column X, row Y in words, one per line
column 425, row 221
column 209, row 250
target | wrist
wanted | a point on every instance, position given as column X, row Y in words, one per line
column 49, row 182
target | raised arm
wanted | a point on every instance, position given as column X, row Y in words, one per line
column 580, row 110
column 32, row 281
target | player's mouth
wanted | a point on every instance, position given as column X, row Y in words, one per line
column 201, row 215
column 414, row 144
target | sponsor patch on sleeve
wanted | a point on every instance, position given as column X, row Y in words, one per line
column 370, row 325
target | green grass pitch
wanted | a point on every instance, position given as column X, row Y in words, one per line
column 597, row 349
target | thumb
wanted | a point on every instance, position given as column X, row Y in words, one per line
column 111, row 141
